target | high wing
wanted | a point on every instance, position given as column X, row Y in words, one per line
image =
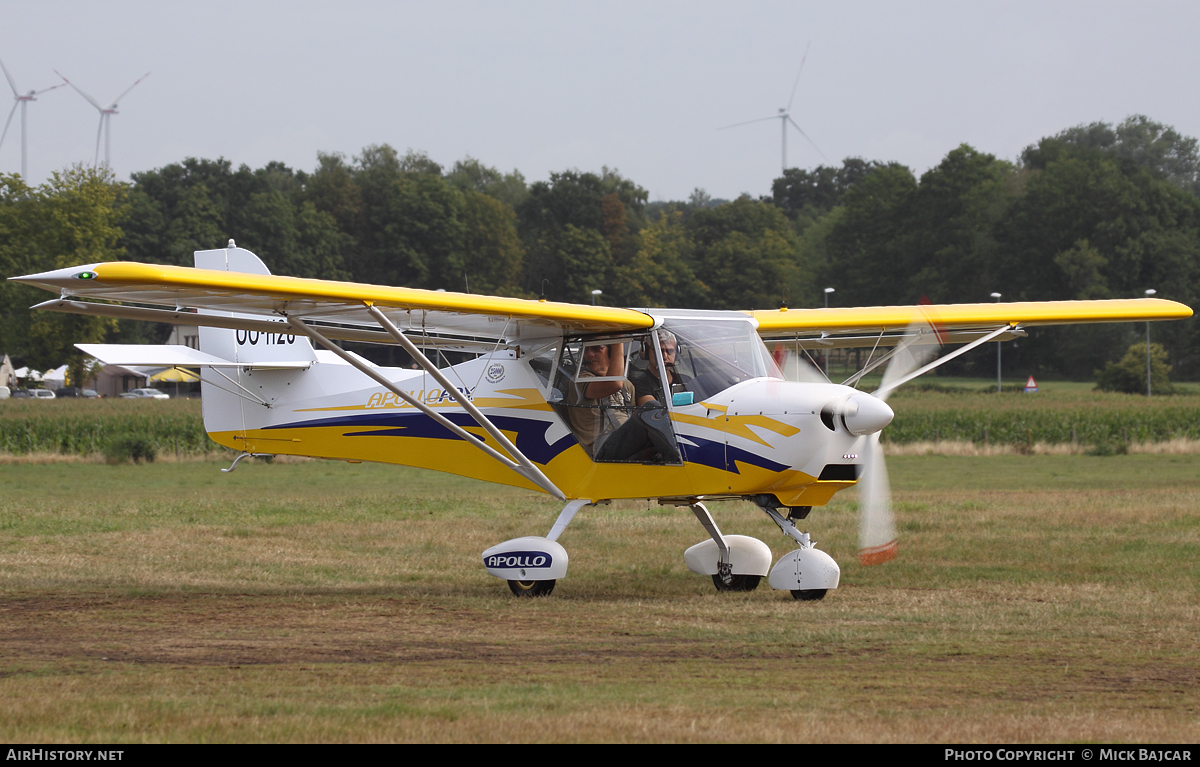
column 259, row 299
column 343, row 306
column 955, row 323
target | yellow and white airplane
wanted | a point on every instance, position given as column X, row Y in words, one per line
column 512, row 409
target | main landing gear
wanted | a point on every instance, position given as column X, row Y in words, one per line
column 738, row 562
column 533, row 565
column 531, row 588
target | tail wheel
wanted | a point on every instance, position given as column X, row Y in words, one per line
column 531, row 588
column 739, row 583
column 808, row 595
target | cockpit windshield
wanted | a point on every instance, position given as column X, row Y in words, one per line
column 716, row 354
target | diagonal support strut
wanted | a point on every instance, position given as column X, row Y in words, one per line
column 531, row 471
column 942, row 360
column 535, row 476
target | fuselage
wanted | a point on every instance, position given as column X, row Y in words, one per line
column 762, row 435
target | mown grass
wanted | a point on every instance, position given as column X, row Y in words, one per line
column 1036, row 599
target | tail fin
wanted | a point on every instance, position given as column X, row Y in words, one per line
column 229, row 395
column 243, row 345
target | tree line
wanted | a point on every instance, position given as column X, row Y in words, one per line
column 1096, row 211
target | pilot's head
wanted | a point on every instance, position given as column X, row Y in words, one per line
column 667, row 344
column 595, row 359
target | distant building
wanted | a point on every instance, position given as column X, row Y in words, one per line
column 185, row 335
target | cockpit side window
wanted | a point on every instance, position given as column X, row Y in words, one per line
column 717, row 354
column 596, row 378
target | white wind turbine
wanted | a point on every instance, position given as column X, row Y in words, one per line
column 22, row 101
column 106, row 114
column 785, row 116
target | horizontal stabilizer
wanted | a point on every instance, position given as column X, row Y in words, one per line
column 148, row 355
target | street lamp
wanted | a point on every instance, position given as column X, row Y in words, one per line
column 594, row 294
column 827, row 292
column 999, row 387
column 1149, row 293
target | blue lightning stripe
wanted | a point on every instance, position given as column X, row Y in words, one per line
column 718, row 455
column 531, row 437
column 531, row 434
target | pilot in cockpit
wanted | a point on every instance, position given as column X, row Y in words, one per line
column 604, row 418
column 599, row 408
column 647, row 383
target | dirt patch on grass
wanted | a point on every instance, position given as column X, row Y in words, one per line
column 243, row 630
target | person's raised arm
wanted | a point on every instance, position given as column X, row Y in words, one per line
column 616, row 367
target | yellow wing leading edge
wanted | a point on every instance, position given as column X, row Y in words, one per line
column 875, row 319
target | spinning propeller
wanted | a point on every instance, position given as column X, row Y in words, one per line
column 876, row 526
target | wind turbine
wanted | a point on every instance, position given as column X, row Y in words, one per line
column 106, row 114
column 785, row 115
column 22, row 101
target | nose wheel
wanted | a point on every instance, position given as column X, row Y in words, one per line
column 808, row 595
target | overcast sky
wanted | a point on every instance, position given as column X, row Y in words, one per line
column 545, row 86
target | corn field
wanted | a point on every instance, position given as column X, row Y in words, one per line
column 1088, row 418
column 89, row 427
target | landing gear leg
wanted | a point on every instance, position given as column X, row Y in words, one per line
column 723, row 580
column 808, row 573
column 740, row 561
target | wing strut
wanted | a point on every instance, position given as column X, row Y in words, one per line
column 941, row 360
column 525, row 468
column 532, row 472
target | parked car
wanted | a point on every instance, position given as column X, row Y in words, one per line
column 145, row 394
column 71, row 391
column 41, row 394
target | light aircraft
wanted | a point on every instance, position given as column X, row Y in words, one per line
column 733, row 427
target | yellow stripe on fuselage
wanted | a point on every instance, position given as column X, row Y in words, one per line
column 571, row 470
column 739, row 425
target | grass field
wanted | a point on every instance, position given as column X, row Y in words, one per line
column 1036, row 599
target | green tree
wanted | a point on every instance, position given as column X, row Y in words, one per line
column 1129, row 374
column 747, row 255
column 806, row 195
column 1089, row 223
column 491, row 259
column 194, row 223
column 470, row 174
column 579, row 261
column 70, row 220
column 660, row 273
column 1138, row 140
column 867, row 263
column 949, row 239
column 332, row 189
column 612, row 207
